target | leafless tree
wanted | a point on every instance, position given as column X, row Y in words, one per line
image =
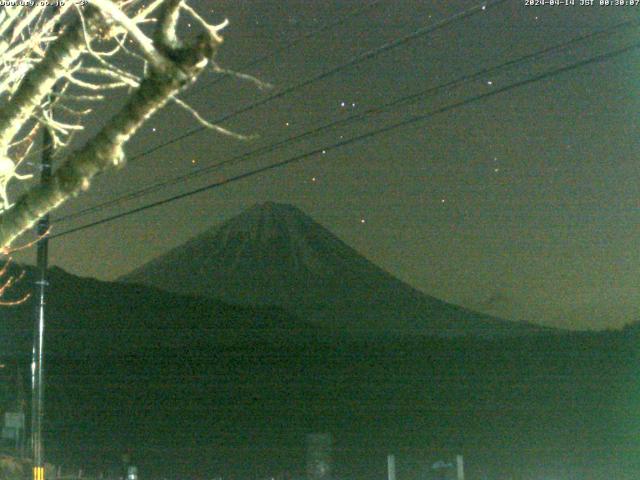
column 57, row 62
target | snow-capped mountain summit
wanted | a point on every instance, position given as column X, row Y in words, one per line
column 274, row 235
column 274, row 254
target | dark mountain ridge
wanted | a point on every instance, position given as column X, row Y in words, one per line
column 196, row 388
column 274, row 254
column 85, row 314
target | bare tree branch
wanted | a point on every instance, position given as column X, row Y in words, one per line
column 38, row 83
column 87, row 53
column 144, row 42
column 164, row 80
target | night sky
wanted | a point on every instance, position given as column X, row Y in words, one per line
column 523, row 204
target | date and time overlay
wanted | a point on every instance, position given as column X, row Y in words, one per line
column 582, row 3
column 527, row 3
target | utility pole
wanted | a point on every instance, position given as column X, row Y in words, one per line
column 391, row 467
column 37, row 359
column 459, row 467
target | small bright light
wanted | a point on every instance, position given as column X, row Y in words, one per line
column 343, row 104
column 489, row 82
column 324, row 152
column 313, row 179
column 362, row 220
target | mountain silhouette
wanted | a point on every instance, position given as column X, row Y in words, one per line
column 274, row 254
column 193, row 385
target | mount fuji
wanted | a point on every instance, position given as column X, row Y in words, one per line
column 274, row 254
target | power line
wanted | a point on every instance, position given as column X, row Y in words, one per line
column 358, row 138
column 354, row 60
column 369, row 54
column 252, row 63
column 374, row 110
